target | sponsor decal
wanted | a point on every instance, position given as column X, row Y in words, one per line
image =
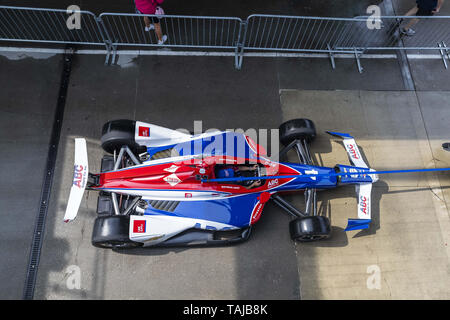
column 229, row 187
column 363, row 201
column 172, row 168
column 172, row 179
column 144, row 131
column 354, row 176
column 79, row 176
column 257, row 210
column 272, row 164
column 312, row 172
column 272, row 183
column 188, row 195
column 256, row 214
column 353, row 151
column 139, row 226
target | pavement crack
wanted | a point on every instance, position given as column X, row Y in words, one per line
column 435, row 194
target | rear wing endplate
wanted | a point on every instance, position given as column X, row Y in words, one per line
column 80, row 178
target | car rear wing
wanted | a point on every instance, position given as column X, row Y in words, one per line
column 80, row 179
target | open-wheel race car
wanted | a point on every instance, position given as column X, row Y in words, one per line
column 162, row 187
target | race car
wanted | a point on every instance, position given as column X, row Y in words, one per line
column 162, row 187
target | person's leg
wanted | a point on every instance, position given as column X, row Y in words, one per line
column 411, row 23
column 148, row 25
column 161, row 38
column 406, row 29
column 412, row 11
column 147, row 22
column 158, row 30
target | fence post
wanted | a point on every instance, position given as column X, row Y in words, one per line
column 331, row 55
column 445, row 53
column 239, row 50
column 105, row 37
column 358, row 61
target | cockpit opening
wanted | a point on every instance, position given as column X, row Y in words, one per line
column 235, row 171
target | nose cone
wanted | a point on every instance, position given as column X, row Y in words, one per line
column 373, row 176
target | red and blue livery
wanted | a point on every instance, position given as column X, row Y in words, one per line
column 162, row 187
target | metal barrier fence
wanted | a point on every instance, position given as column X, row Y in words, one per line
column 345, row 35
column 49, row 26
column 289, row 33
column 258, row 32
column 182, row 31
column 429, row 33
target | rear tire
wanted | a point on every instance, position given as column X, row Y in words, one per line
column 118, row 133
column 310, row 228
column 301, row 129
column 113, row 232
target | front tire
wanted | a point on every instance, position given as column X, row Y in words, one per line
column 113, row 232
column 311, row 228
column 301, row 129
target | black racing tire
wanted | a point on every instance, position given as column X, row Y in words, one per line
column 310, row 228
column 302, row 129
column 113, row 232
column 118, row 133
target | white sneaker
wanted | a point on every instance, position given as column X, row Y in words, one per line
column 164, row 39
column 408, row 32
column 152, row 27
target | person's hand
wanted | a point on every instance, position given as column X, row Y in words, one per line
column 436, row 10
